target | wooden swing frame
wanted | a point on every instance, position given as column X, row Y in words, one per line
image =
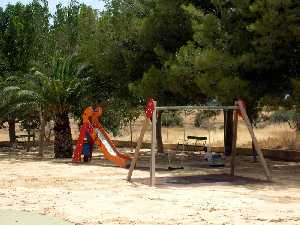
column 237, row 108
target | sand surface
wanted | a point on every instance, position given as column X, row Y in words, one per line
column 17, row 217
column 98, row 193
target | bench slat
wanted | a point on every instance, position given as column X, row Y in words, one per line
column 197, row 138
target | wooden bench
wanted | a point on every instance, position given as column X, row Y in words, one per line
column 25, row 137
column 25, row 140
column 197, row 142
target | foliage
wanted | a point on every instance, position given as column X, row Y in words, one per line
column 113, row 118
column 23, row 32
column 55, row 95
column 163, row 32
column 63, row 88
column 282, row 116
column 170, row 119
column 30, row 124
column 202, row 118
column 23, row 42
column 227, row 58
column 207, row 62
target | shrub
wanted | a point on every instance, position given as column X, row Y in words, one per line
column 201, row 119
column 282, row 116
column 171, row 119
column 262, row 120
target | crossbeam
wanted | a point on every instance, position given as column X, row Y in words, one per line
column 212, row 108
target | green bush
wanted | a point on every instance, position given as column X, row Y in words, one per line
column 201, row 119
column 262, row 120
column 282, row 116
column 171, row 119
column 279, row 116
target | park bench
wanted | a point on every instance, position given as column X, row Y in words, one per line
column 192, row 143
column 25, row 137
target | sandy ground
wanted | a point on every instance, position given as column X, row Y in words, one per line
column 97, row 193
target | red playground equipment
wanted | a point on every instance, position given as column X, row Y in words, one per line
column 92, row 130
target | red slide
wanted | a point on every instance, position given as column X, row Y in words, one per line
column 99, row 136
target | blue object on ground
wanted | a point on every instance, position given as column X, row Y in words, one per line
column 216, row 161
column 86, row 150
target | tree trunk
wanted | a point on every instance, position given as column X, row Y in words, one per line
column 42, row 135
column 160, row 145
column 28, row 137
column 12, row 130
column 254, row 153
column 63, row 146
column 131, row 138
column 228, row 131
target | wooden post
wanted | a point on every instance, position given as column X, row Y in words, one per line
column 255, row 142
column 153, row 147
column 228, row 131
column 137, row 149
column 234, row 139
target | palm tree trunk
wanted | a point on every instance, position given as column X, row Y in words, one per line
column 63, row 146
column 42, row 135
column 12, row 130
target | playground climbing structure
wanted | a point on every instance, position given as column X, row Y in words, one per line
column 93, row 131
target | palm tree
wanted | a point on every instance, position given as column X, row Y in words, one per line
column 59, row 93
column 55, row 94
column 16, row 102
column 7, row 101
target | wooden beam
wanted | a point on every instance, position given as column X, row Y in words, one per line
column 153, row 148
column 234, row 139
column 255, row 142
column 228, row 131
column 138, row 148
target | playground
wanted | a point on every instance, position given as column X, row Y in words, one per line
column 94, row 188
column 98, row 193
column 149, row 112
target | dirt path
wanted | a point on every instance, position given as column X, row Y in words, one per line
column 99, row 194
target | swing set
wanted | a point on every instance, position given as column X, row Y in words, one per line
column 197, row 144
column 151, row 116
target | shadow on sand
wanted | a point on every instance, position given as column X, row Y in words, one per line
column 200, row 180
